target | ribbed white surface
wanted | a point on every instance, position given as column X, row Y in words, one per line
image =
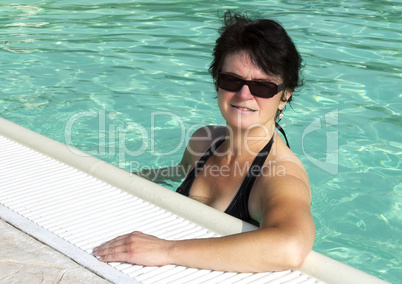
column 86, row 212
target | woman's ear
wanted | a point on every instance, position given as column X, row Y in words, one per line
column 285, row 98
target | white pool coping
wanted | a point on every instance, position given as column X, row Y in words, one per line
column 316, row 265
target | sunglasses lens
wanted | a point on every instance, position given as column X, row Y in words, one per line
column 259, row 89
column 230, row 83
column 263, row 90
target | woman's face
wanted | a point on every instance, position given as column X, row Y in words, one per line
column 241, row 109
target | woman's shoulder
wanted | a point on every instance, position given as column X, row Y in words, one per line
column 209, row 133
column 285, row 158
column 285, row 168
column 204, row 137
column 201, row 141
column 282, row 178
column 281, row 167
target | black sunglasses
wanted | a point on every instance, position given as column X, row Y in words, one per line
column 258, row 88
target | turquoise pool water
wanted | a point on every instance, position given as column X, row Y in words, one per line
column 127, row 82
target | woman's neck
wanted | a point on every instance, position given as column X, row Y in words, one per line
column 246, row 142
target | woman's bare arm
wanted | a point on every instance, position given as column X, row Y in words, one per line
column 284, row 240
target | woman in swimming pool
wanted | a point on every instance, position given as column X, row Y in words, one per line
column 244, row 168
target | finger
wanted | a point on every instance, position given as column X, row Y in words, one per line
column 116, row 257
column 114, row 246
column 125, row 238
column 119, row 238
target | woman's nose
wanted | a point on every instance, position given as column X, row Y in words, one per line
column 245, row 93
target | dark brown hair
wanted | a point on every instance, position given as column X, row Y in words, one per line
column 265, row 41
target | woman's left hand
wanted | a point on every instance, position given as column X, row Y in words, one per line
column 137, row 248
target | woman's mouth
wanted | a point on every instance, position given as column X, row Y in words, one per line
column 243, row 108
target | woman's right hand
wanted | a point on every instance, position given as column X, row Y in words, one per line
column 136, row 248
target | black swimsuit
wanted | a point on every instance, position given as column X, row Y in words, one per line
column 239, row 205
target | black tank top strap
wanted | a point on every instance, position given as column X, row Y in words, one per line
column 239, row 205
column 185, row 187
column 283, row 133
